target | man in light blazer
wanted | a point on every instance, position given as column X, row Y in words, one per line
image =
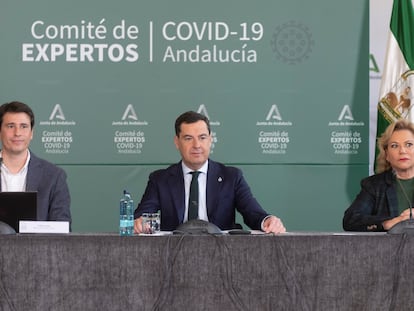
column 222, row 189
column 21, row 170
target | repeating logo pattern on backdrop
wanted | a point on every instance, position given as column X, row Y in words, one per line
column 345, row 137
column 57, row 138
column 127, row 138
column 273, row 136
column 203, row 110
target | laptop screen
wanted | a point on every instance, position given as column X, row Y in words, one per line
column 16, row 206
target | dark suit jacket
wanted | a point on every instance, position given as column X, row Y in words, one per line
column 377, row 201
column 226, row 189
column 53, row 198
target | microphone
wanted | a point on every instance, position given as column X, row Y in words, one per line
column 198, row 227
column 405, row 226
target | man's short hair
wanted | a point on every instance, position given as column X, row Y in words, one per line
column 190, row 117
column 16, row 107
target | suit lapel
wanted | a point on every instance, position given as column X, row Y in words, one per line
column 34, row 172
column 177, row 191
column 392, row 201
column 391, row 195
column 214, row 183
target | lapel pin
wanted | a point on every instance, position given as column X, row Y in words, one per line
column 220, row 179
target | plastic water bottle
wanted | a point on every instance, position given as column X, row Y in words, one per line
column 126, row 215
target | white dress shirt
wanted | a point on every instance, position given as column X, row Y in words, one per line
column 14, row 182
column 202, row 185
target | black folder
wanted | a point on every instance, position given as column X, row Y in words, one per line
column 16, row 206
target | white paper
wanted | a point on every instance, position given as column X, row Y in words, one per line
column 26, row 226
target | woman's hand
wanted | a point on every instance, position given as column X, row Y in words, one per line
column 388, row 224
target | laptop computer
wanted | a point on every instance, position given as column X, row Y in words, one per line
column 16, row 206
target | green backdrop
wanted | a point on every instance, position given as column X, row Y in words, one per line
column 284, row 83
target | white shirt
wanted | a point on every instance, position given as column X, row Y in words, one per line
column 14, row 182
column 202, row 185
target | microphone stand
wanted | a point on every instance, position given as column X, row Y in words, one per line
column 405, row 226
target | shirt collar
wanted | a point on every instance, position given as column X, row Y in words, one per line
column 187, row 170
column 23, row 169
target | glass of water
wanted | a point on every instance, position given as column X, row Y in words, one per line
column 151, row 223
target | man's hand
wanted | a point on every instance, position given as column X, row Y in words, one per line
column 272, row 224
column 138, row 225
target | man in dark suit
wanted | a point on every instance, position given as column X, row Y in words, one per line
column 21, row 170
column 222, row 189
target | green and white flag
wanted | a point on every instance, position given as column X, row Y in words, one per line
column 397, row 85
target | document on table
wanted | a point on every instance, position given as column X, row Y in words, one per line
column 26, row 226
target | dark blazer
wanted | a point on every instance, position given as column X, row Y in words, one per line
column 53, row 198
column 226, row 189
column 376, row 202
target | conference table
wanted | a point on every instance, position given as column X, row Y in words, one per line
column 293, row 271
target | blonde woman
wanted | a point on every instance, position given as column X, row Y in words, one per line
column 386, row 197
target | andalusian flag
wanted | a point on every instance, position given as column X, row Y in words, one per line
column 397, row 85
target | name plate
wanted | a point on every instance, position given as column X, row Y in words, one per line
column 26, row 226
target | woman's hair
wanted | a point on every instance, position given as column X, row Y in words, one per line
column 382, row 144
